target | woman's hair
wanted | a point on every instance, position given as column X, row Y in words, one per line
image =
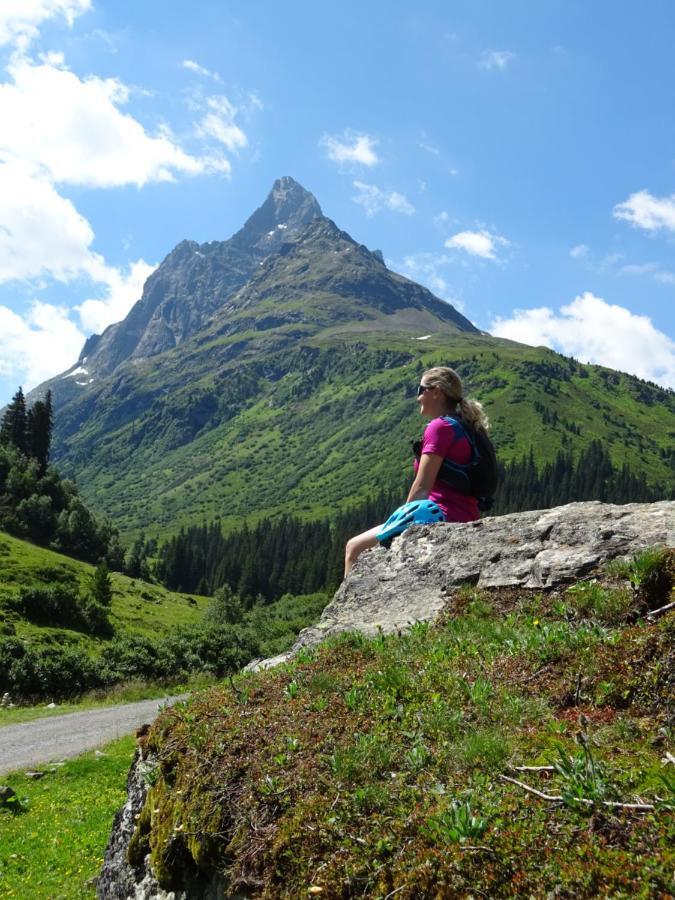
column 470, row 412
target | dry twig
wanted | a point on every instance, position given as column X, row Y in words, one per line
column 662, row 609
column 556, row 798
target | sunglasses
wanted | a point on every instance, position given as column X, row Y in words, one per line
column 422, row 388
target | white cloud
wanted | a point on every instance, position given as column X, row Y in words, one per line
column 496, row 59
column 73, row 131
column 648, row 268
column 653, row 269
column 41, row 233
column 352, row 148
column 34, row 347
column 200, row 70
column 593, row 330
column 645, row 211
column 428, row 147
column 665, row 277
column 20, row 19
column 579, row 252
column 219, row 123
column 476, row 243
column 62, row 129
column 374, row 200
column 121, row 292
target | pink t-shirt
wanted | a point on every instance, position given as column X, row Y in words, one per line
column 449, row 441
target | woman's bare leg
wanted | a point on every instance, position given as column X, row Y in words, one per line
column 356, row 546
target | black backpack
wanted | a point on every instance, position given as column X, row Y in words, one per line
column 477, row 478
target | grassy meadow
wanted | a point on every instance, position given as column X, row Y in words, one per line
column 52, row 844
column 137, row 607
column 158, row 640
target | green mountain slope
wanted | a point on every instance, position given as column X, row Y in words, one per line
column 137, row 607
column 314, row 429
column 157, row 635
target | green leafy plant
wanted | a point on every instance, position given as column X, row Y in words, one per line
column 292, row 690
column 644, row 565
column 417, row 757
column 457, row 823
column 584, row 778
column 270, row 784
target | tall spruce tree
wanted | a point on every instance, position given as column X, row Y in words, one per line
column 101, row 585
column 13, row 429
column 39, row 423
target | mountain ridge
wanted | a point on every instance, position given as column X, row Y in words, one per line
column 214, row 270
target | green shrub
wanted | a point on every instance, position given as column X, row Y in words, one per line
column 45, row 672
column 61, row 606
column 55, row 605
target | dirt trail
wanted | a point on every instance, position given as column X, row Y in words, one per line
column 49, row 740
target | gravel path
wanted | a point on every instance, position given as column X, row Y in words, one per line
column 48, row 740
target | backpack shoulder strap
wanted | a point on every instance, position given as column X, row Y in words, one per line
column 461, row 430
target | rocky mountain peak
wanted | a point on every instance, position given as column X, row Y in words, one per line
column 287, row 208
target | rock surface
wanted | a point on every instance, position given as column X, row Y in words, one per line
column 412, row 581
column 540, row 549
column 118, row 879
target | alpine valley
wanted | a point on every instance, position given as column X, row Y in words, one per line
column 276, row 372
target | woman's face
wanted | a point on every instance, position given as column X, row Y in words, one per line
column 431, row 400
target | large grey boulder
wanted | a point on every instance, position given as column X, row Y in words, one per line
column 540, row 549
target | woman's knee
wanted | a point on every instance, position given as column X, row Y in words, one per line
column 361, row 542
column 352, row 547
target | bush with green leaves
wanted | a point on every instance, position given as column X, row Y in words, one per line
column 61, row 606
column 53, row 671
column 57, row 671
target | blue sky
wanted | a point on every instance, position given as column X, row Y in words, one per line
column 519, row 159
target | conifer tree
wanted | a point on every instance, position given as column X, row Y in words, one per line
column 39, row 423
column 101, row 585
column 13, row 429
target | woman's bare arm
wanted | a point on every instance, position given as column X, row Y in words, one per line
column 430, row 464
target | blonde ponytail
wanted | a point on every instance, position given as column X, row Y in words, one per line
column 471, row 412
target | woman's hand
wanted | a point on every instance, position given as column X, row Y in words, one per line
column 427, row 473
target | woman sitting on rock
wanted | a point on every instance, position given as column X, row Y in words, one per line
column 430, row 499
